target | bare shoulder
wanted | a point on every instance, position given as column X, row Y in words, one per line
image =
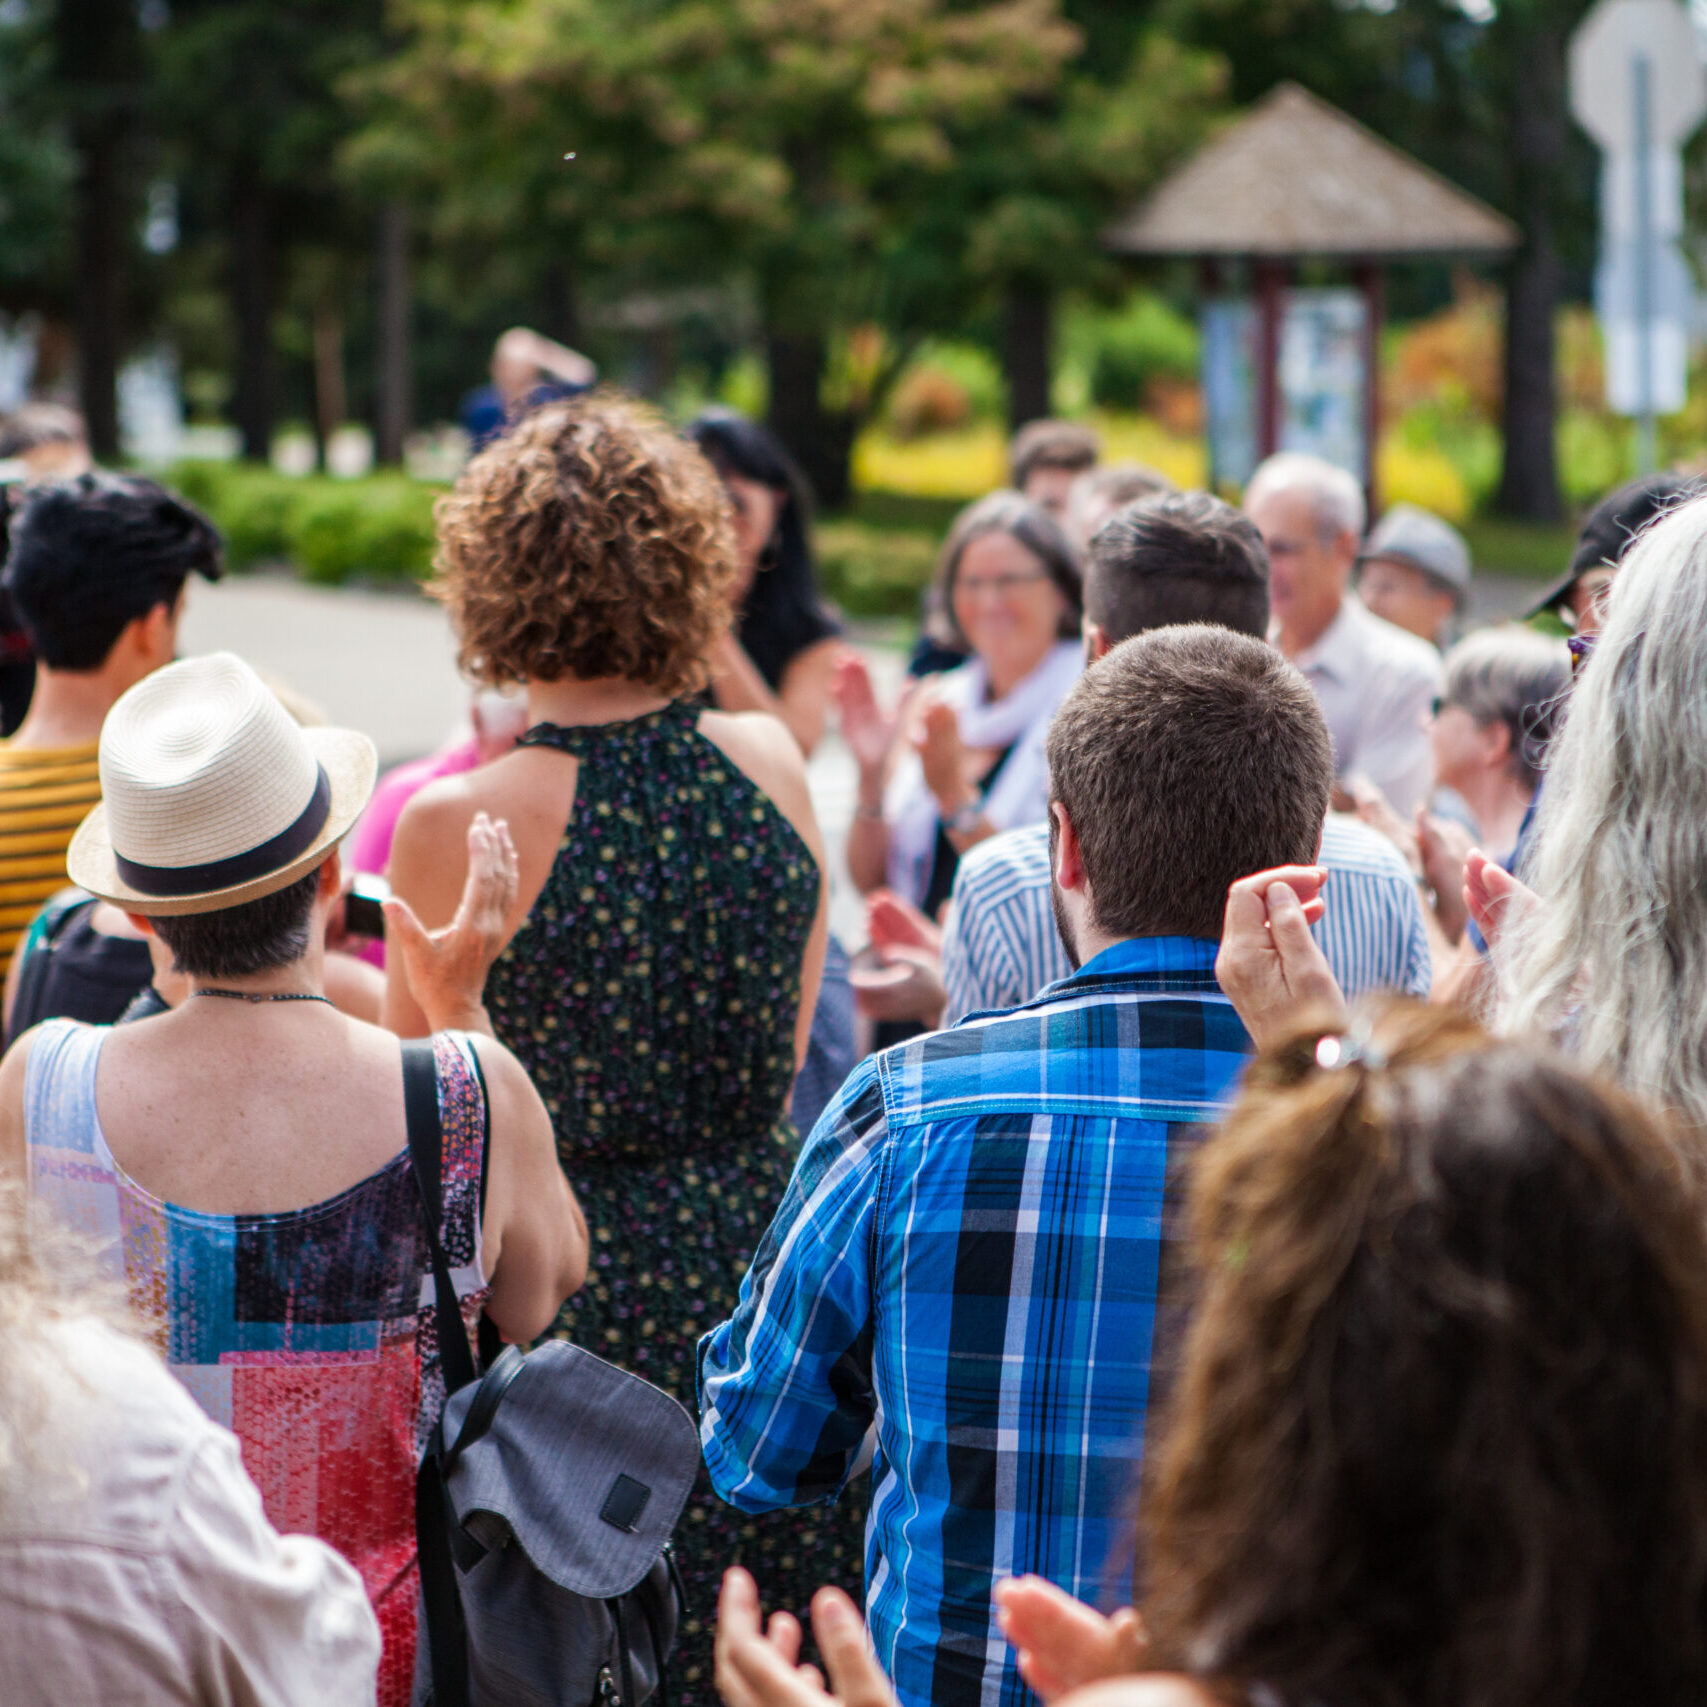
column 762, row 748
column 446, row 806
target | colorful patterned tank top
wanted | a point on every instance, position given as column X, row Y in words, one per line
column 309, row 1334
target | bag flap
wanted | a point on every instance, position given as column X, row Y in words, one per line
column 587, row 1465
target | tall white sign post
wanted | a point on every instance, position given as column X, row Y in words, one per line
column 1639, row 89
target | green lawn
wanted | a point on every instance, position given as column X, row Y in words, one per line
column 1540, row 549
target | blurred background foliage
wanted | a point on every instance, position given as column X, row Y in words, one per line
column 875, row 222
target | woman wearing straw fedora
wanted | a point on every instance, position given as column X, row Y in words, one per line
column 244, row 1156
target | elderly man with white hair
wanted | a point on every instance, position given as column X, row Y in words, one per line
column 1375, row 682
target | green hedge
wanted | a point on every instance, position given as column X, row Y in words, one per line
column 379, row 527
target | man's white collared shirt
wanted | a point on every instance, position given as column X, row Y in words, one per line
column 1376, row 684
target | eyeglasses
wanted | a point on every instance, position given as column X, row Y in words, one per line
column 1000, row 585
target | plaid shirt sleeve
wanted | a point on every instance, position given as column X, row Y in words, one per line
column 785, row 1390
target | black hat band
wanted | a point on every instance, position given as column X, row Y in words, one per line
column 168, row 882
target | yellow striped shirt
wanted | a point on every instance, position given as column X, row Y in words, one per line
column 45, row 793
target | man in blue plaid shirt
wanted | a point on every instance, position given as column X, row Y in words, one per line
column 973, row 1256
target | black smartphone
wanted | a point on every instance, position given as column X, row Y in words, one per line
column 364, row 910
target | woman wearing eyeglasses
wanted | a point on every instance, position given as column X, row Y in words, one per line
column 962, row 757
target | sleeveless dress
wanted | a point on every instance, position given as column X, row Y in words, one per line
column 652, row 994
column 310, row 1335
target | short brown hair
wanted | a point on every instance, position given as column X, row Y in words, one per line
column 1188, row 758
column 1050, row 444
column 1181, row 557
column 1019, row 518
column 1440, row 1429
column 590, row 540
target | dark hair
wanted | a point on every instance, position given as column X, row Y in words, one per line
column 783, row 612
column 1187, row 758
column 1611, row 527
column 1440, row 1431
column 1017, row 516
column 1181, row 557
column 237, row 942
column 1050, row 444
column 89, row 556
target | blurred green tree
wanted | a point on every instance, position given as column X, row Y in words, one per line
column 247, row 102
column 848, row 163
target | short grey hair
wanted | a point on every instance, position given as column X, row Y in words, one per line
column 1512, row 675
column 1614, row 960
column 1336, row 500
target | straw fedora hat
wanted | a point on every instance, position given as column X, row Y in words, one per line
column 211, row 795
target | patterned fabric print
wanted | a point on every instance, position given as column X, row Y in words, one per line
column 975, row 1256
column 310, row 1335
column 652, row 994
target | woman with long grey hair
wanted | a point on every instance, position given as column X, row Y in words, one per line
column 1613, row 955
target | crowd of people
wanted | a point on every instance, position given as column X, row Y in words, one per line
column 1238, row 1232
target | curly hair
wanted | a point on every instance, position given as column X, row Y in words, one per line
column 589, row 541
column 1439, row 1437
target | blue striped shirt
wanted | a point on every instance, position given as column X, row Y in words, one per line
column 1001, row 947
column 976, row 1257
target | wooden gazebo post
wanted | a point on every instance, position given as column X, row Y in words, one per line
column 1296, row 179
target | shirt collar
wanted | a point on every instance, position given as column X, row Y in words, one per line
column 1151, row 962
column 1328, row 653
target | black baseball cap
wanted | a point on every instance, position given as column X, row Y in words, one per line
column 1613, row 525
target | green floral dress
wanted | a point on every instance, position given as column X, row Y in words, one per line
column 652, row 994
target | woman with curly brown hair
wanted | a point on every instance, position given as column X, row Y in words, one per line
column 667, row 937
column 1439, row 1431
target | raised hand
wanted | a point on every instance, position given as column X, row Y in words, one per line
column 1269, row 966
column 1444, row 846
column 867, row 728
column 1062, row 1643
column 943, row 756
column 1376, row 810
column 447, row 968
column 894, row 923
column 1489, row 891
column 759, row 1665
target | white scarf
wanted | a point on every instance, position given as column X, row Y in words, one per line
column 1019, row 795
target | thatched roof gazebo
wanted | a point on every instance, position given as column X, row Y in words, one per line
column 1296, row 179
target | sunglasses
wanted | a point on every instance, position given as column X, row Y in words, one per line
column 1580, row 646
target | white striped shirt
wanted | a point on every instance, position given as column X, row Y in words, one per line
column 1000, row 946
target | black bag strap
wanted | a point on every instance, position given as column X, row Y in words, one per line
column 426, row 1151
column 441, row 1599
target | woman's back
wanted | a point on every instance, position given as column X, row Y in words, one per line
column 653, row 991
column 301, row 1330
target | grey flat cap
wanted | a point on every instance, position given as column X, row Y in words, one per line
column 1423, row 541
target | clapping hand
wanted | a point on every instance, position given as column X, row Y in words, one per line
column 907, row 985
column 1062, row 1643
column 867, row 728
column 759, row 1665
column 1489, row 890
column 1444, row 845
column 447, row 968
column 1269, row 965
column 943, row 756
